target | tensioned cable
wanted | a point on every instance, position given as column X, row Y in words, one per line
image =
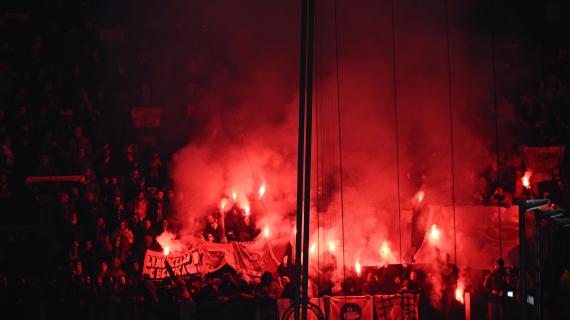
column 451, row 140
column 339, row 137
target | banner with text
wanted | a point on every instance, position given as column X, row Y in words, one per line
column 184, row 264
column 251, row 258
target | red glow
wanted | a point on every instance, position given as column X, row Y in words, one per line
column 385, row 251
column 313, row 249
column 234, row 196
column 420, row 196
column 460, row 291
column 262, row 190
column 266, row 232
column 223, row 204
column 526, row 178
column 434, row 234
column 357, row 267
column 332, row 246
column 247, row 210
column 166, row 251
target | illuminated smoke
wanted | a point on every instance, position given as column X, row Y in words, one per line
column 313, row 249
column 266, row 232
column 460, row 290
column 420, row 196
column 331, row 246
column 262, row 191
column 246, row 112
column 170, row 243
column 434, row 234
column 386, row 253
column 223, row 204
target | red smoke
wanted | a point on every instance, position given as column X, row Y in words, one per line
column 244, row 145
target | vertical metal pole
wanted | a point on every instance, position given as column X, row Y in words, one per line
column 300, row 155
column 522, row 256
column 308, row 162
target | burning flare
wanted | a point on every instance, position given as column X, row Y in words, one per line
column 420, row 196
column 313, row 249
column 261, row 191
column 526, row 178
column 332, row 246
column 223, row 204
column 385, row 251
column 460, row 291
column 357, row 267
column 434, row 234
column 266, row 232
column 247, row 210
column 166, row 251
column 234, row 196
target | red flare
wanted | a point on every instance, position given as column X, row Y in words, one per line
column 357, row 267
column 262, row 190
column 266, row 232
column 420, row 196
column 526, row 178
column 460, row 291
column 434, row 234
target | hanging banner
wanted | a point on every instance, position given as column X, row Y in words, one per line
column 182, row 264
column 215, row 255
column 251, row 258
column 255, row 258
column 351, row 308
column 396, row 306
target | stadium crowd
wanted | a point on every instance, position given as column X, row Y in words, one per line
column 63, row 88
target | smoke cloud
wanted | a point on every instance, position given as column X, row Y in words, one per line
column 240, row 104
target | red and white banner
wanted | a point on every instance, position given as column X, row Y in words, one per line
column 351, row 308
column 254, row 258
column 251, row 258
